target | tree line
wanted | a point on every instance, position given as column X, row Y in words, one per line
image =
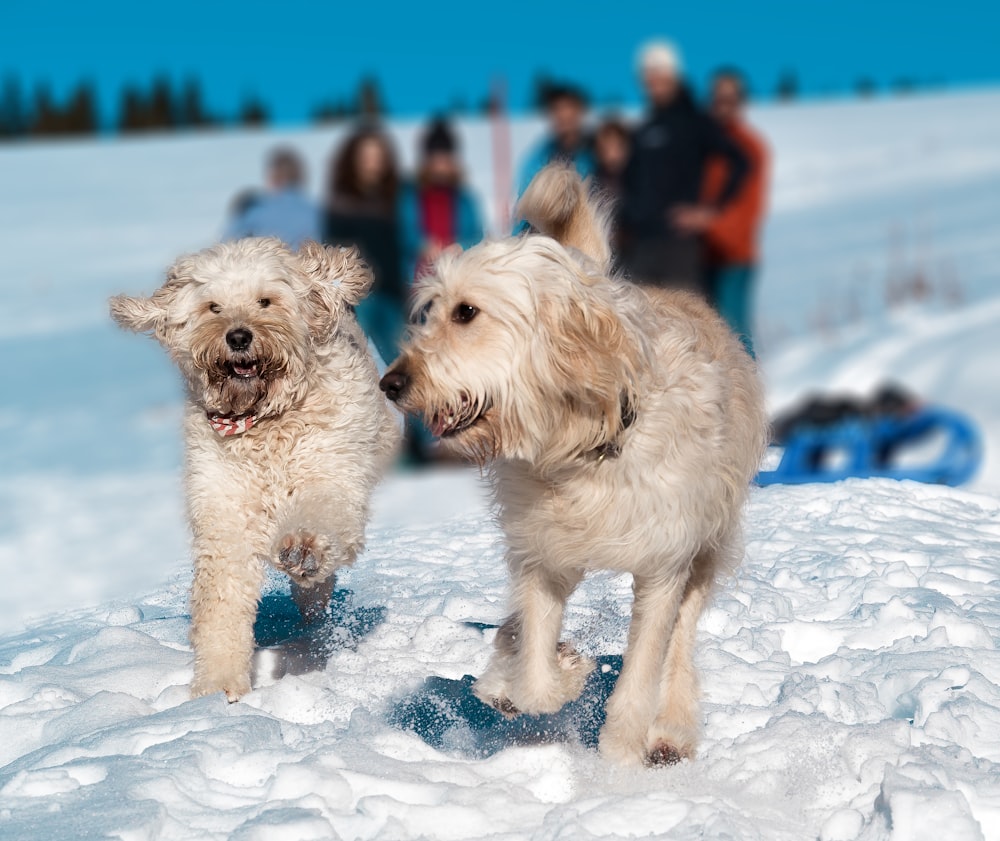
column 163, row 105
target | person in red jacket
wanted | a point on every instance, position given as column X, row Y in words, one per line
column 730, row 236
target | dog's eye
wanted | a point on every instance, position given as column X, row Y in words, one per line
column 215, row 308
column 464, row 313
column 264, row 303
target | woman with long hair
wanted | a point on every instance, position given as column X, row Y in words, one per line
column 361, row 209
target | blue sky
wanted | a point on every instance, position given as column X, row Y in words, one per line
column 293, row 54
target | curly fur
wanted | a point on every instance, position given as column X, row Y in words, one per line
column 624, row 426
column 294, row 489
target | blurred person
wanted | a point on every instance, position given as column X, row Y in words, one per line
column 660, row 216
column 612, row 141
column 567, row 139
column 730, row 236
column 362, row 197
column 437, row 210
column 283, row 211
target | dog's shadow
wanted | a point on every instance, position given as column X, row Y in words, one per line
column 448, row 716
column 287, row 645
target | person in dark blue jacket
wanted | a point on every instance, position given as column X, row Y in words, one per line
column 567, row 140
column 437, row 210
column 661, row 218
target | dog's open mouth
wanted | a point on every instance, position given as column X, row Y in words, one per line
column 246, row 369
column 451, row 421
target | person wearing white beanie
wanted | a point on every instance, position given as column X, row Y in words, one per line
column 663, row 178
column 659, row 57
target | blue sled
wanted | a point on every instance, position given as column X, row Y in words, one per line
column 871, row 448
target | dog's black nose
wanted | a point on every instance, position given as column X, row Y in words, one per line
column 394, row 383
column 239, row 339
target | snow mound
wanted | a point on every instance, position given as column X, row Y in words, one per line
column 850, row 675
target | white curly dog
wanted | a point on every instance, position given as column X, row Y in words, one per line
column 286, row 432
column 624, row 426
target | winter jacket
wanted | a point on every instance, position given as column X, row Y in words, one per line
column 666, row 168
column 286, row 214
column 731, row 239
column 467, row 225
column 375, row 231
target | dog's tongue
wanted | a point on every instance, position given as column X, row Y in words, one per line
column 245, row 370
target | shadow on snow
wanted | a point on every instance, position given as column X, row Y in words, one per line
column 448, row 716
column 286, row 645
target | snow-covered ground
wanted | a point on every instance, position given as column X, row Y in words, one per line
column 850, row 668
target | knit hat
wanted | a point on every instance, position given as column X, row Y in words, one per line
column 659, row 57
column 439, row 138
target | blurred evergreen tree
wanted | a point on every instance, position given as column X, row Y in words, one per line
column 45, row 120
column 132, row 116
column 191, row 112
column 369, row 102
column 13, row 114
column 329, row 112
column 788, row 86
column 161, row 112
column 865, row 87
column 253, row 112
column 80, row 114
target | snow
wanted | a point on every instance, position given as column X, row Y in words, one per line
column 850, row 669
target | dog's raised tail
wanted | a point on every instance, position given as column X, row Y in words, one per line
column 558, row 204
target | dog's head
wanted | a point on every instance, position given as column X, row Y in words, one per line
column 246, row 320
column 518, row 351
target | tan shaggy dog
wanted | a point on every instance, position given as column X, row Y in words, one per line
column 286, row 432
column 624, row 425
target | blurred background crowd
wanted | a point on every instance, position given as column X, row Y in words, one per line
column 686, row 184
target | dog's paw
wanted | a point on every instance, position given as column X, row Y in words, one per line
column 666, row 753
column 512, row 694
column 303, row 556
column 491, row 689
column 234, row 685
column 544, row 693
column 669, row 743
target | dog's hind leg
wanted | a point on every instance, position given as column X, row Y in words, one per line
column 632, row 705
column 674, row 733
column 530, row 672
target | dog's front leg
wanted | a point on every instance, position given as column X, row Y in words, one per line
column 530, row 671
column 632, row 706
column 321, row 531
column 228, row 575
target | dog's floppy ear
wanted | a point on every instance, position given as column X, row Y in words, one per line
column 340, row 267
column 336, row 278
column 140, row 315
column 592, row 360
column 149, row 315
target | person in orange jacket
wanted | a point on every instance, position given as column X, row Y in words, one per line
column 730, row 236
